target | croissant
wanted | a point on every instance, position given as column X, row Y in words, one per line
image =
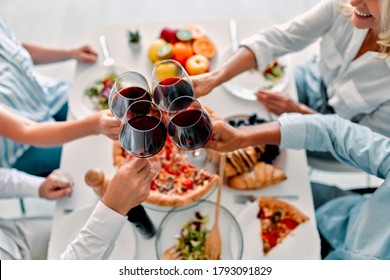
column 242, row 160
column 262, row 175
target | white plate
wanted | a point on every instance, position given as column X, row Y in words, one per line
column 71, row 226
column 301, row 244
column 80, row 105
column 246, row 84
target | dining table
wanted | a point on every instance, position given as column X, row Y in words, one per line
column 80, row 155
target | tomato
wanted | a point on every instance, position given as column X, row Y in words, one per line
column 189, row 184
column 168, row 170
column 270, row 238
column 289, row 223
column 153, row 185
column 168, row 154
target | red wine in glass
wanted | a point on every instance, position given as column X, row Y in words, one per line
column 128, row 88
column 126, row 97
column 170, row 89
column 143, row 132
column 190, row 129
column 144, row 140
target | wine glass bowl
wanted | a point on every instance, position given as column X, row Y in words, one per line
column 189, row 125
column 169, row 81
column 129, row 87
column 143, row 132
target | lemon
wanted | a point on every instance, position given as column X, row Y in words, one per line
column 154, row 48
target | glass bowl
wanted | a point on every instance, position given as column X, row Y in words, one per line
column 172, row 223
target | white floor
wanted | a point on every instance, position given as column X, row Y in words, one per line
column 63, row 22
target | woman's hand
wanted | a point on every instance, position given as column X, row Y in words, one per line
column 107, row 124
column 84, row 54
column 279, row 103
column 225, row 137
column 204, row 83
column 130, row 186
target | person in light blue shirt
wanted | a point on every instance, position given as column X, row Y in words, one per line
column 355, row 226
column 33, row 96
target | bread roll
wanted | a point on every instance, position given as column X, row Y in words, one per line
column 262, row 175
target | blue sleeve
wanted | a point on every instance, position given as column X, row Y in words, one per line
column 350, row 143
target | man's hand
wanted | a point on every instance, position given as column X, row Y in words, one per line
column 130, row 186
column 57, row 185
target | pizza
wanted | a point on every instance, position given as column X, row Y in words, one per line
column 178, row 182
column 277, row 220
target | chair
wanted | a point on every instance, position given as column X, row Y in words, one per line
column 333, row 165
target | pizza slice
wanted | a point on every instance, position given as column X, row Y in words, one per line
column 277, row 220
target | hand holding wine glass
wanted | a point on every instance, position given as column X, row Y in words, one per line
column 143, row 135
column 189, row 124
column 128, row 88
column 170, row 81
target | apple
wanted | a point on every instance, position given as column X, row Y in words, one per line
column 165, row 70
column 197, row 64
column 169, row 35
column 154, row 48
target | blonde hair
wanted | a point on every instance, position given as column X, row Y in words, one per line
column 384, row 31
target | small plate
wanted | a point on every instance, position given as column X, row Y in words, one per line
column 230, row 230
column 80, row 105
column 246, row 84
column 71, row 225
column 301, row 244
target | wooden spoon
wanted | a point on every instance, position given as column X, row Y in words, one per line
column 171, row 254
column 213, row 241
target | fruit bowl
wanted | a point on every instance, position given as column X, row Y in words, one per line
column 173, row 222
column 188, row 44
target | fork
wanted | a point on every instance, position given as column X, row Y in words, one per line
column 243, row 199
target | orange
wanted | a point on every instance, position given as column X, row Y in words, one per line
column 197, row 31
column 204, row 46
column 182, row 51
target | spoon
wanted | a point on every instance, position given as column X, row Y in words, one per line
column 213, row 241
column 108, row 60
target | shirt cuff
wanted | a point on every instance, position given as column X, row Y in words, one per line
column 293, row 131
column 105, row 222
column 31, row 186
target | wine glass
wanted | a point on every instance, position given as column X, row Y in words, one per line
column 169, row 81
column 143, row 132
column 189, row 125
column 129, row 87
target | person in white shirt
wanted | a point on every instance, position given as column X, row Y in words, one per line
column 351, row 75
column 28, row 238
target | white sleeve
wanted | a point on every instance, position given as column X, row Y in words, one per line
column 97, row 238
column 296, row 34
column 14, row 183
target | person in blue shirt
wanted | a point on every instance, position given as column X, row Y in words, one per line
column 36, row 97
column 355, row 226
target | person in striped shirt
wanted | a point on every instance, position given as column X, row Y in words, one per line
column 33, row 96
